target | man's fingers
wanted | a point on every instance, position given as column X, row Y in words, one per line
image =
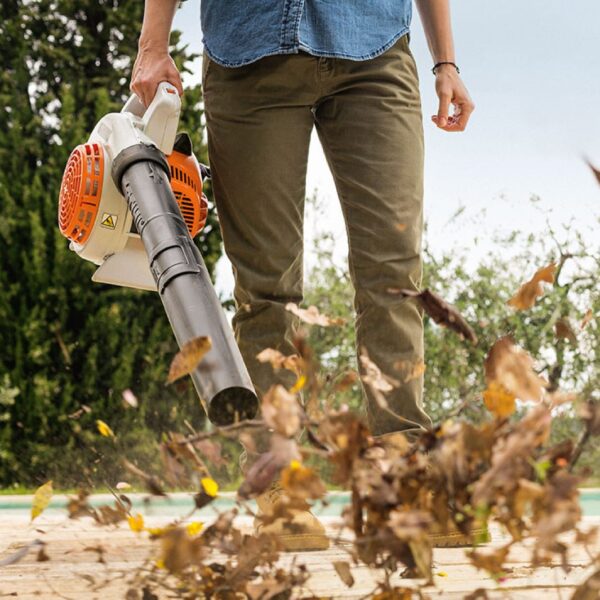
column 442, row 116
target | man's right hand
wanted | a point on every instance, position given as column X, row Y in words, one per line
column 153, row 66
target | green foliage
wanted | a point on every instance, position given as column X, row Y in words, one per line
column 68, row 343
column 454, row 377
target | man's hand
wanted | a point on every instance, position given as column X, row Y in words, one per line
column 151, row 67
column 451, row 90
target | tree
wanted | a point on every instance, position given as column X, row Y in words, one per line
column 561, row 331
column 70, row 347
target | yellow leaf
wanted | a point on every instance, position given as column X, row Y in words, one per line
column 41, row 499
column 210, row 486
column 160, row 564
column 136, row 523
column 188, row 358
column 498, row 400
column 442, row 574
column 295, row 465
column 194, row 528
column 528, row 293
column 300, row 383
column 104, row 429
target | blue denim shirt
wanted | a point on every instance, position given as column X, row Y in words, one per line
column 238, row 32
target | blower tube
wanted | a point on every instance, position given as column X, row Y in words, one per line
column 142, row 174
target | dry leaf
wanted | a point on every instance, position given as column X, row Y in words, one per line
column 373, row 376
column 129, row 399
column 563, row 330
column 281, row 411
column 498, row 400
column 41, row 499
column 587, row 318
column 440, row 311
column 528, row 293
column 410, row 369
column 595, row 171
column 188, row 358
column 280, row 361
column 302, row 482
column 312, row 316
column 104, row 429
column 512, row 368
column 342, row 568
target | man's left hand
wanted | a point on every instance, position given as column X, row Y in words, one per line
column 451, row 90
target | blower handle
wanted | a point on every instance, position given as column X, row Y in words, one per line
column 161, row 119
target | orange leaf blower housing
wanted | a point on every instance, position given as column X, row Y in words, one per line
column 81, row 190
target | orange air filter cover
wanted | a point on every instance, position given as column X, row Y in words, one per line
column 80, row 192
column 186, row 182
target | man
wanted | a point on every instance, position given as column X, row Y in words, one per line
column 273, row 70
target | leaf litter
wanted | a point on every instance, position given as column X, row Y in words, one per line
column 456, row 477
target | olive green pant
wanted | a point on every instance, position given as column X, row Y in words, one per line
column 368, row 117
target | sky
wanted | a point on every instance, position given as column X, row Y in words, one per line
column 532, row 68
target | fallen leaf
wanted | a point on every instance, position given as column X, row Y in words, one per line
column 188, row 358
column 194, row 528
column 587, row 318
column 410, row 369
column 595, row 171
column 41, row 499
column 312, row 316
column 342, row 568
column 136, row 522
column 563, row 330
column 280, row 361
column 210, row 486
column 104, row 429
column 302, row 482
column 15, row 557
column 498, row 400
column 440, row 311
column 129, row 398
column 281, row 411
column 511, row 367
column 528, row 293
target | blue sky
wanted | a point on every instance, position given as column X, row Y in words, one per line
column 532, row 67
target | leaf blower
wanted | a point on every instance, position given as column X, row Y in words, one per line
column 130, row 201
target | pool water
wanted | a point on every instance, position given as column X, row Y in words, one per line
column 182, row 504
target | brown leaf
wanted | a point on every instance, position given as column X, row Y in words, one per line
column 441, row 312
column 188, row 358
column 590, row 588
column 498, row 400
column 301, row 482
column 280, row 361
column 267, row 467
column 281, row 411
column 342, row 568
column 512, row 368
column 373, row 376
column 312, row 316
column 491, row 561
column 528, row 293
column 587, row 318
column 595, row 171
column 563, row 330
column 410, row 369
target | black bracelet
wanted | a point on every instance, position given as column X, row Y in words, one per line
column 444, row 63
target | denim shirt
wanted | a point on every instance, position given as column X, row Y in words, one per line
column 238, row 32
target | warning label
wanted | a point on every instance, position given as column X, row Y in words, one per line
column 109, row 221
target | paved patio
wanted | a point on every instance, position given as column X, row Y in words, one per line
column 74, row 571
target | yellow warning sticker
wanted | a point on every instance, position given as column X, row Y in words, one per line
column 109, row 221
